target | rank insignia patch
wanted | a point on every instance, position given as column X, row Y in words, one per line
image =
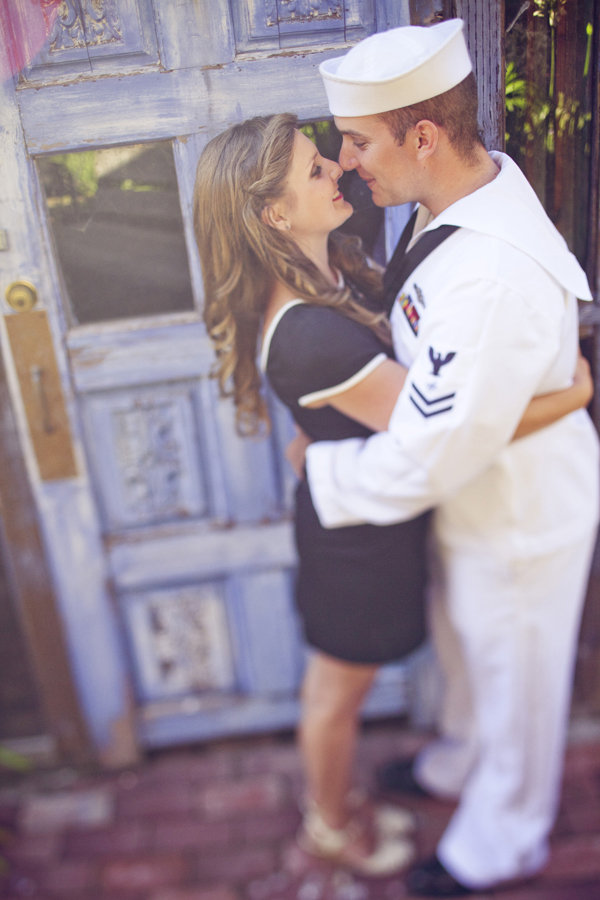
column 430, row 405
column 438, row 361
column 410, row 311
column 419, row 293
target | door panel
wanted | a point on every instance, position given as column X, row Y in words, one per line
column 171, row 545
column 89, row 38
column 180, row 641
column 145, row 452
column 268, row 25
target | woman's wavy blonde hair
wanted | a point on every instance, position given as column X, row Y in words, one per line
column 240, row 172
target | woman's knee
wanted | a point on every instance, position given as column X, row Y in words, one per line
column 334, row 689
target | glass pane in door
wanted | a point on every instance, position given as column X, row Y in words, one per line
column 118, row 232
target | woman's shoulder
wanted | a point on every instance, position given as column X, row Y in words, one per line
column 299, row 325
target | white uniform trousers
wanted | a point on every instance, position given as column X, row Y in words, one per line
column 506, row 637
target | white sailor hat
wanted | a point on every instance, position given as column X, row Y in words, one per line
column 396, row 68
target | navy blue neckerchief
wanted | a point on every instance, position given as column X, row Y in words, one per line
column 402, row 263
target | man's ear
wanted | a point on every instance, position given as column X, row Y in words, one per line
column 426, row 138
column 273, row 216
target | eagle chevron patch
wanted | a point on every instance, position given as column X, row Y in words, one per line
column 430, row 406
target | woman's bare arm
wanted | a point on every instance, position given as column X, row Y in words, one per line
column 549, row 408
column 372, row 400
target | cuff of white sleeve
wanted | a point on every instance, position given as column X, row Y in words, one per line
column 326, row 494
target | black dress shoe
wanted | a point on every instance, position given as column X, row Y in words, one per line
column 431, row 879
column 397, row 775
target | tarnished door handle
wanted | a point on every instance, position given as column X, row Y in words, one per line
column 32, row 347
column 37, row 379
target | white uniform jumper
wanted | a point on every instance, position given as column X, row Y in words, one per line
column 486, row 322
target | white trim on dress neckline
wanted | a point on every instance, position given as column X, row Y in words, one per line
column 266, row 344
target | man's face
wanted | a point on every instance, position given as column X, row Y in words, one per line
column 386, row 167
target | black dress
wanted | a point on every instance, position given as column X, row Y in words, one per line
column 360, row 588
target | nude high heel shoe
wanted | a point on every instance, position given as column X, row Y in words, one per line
column 387, row 853
column 387, row 818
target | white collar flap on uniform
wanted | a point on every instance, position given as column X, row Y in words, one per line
column 519, row 219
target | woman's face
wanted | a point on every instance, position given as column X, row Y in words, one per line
column 312, row 203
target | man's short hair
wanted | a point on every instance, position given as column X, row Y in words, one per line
column 455, row 111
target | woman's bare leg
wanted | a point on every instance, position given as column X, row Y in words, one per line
column 332, row 695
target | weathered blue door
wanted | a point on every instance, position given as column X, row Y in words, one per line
column 169, row 536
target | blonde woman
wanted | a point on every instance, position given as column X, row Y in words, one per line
column 281, row 283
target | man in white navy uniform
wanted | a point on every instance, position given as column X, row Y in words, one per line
column 485, row 322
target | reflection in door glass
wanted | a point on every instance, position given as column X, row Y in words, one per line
column 118, row 231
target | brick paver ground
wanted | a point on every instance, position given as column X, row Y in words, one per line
column 217, row 822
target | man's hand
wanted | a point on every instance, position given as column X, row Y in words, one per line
column 296, row 452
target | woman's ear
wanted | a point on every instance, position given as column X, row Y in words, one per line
column 274, row 217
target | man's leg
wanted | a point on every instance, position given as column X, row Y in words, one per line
column 441, row 768
column 519, row 625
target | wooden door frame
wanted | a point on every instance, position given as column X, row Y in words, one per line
column 30, row 575
column 37, row 557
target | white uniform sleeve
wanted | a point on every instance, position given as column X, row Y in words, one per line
column 482, row 354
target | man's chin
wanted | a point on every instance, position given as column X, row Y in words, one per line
column 377, row 199
column 377, row 195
